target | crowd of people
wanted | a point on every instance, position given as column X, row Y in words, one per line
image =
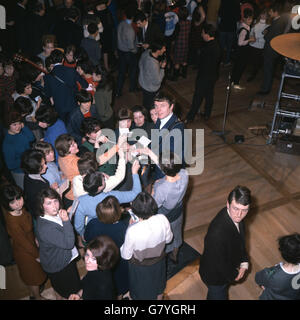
column 79, row 175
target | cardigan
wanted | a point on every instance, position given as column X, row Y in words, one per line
column 56, row 243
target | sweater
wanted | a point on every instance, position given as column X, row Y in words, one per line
column 68, row 166
column 53, row 132
column 151, row 75
column 75, row 121
column 13, row 147
column 92, row 48
column 56, row 244
column 126, row 37
column 87, row 204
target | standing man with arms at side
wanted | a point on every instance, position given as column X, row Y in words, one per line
column 209, row 61
column 224, row 259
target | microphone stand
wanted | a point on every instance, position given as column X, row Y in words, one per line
column 223, row 133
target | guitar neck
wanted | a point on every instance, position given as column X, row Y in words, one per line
column 21, row 58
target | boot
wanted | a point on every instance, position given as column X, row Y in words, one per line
column 175, row 75
column 183, row 71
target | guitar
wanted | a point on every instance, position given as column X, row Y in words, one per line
column 19, row 58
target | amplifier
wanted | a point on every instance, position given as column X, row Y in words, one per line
column 288, row 144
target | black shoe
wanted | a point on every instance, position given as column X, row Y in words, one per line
column 263, row 93
column 251, row 78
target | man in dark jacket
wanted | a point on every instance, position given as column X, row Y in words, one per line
column 280, row 24
column 61, row 86
column 209, row 61
column 224, row 259
column 84, row 110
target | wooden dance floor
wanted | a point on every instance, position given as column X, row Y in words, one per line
column 272, row 177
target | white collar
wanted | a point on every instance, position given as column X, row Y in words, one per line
column 55, row 219
column 36, row 177
column 19, row 4
column 165, row 120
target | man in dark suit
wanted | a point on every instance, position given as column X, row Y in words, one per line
column 148, row 32
column 20, row 14
column 224, row 259
column 280, row 24
column 209, row 61
column 174, row 133
column 61, row 86
column 67, row 31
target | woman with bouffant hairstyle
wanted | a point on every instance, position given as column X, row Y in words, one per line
column 111, row 222
column 19, row 227
column 17, row 139
column 101, row 256
column 56, row 238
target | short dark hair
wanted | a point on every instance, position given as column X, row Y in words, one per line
column 143, row 110
column 130, row 11
column 47, row 193
column 241, row 195
column 56, row 56
column 289, row 247
column 124, row 113
column 23, row 106
column 105, row 251
column 144, row 206
column 92, row 181
column 183, row 13
column 209, row 29
column 157, row 45
column 43, row 146
column 84, row 96
column 70, row 48
column 162, row 96
column 170, row 167
column 248, row 13
column 92, row 28
column 12, row 117
column 139, row 16
column 89, row 125
column 10, row 193
column 31, row 161
column 47, row 114
column 72, row 13
column 87, row 163
column 63, row 143
column 109, row 210
column 276, row 7
column 86, row 66
column 21, row 84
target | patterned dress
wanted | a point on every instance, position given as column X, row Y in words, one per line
column 181, row 46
